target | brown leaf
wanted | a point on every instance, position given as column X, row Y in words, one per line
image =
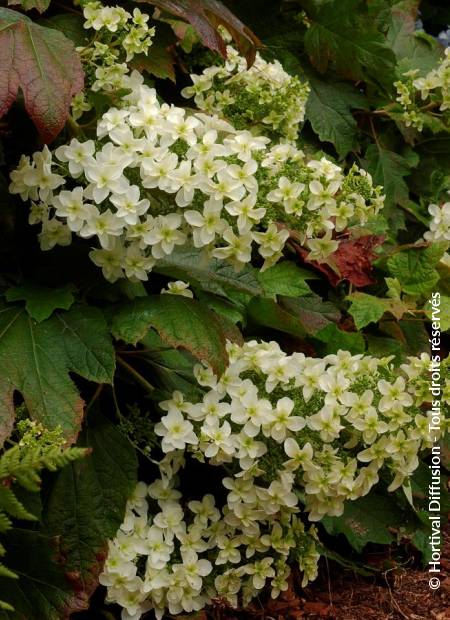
column 354, row 259
column 43, row 63
column 205, row 16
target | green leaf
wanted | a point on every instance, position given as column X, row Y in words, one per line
column 179, row 321
column 43, row 63
column 36, row 358
column 367, row 309
column 226, row 308
column 297, row 316
column 70, row 25
column 59, row 564
column 160, row 61
column 415, row 268
column 342, row 37
column 286, row 279
column 29, row 5
column 413, row 50
column 40, row 301
column 335, row 339
column 444, row 312
column 379, row 346
column 212, row 275
column 366, row 520
column 328, row 109
column 268, row 313
column 389, row 169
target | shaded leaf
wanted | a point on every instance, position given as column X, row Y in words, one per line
column 314, row 313
column 328, row 109
column 342, row 37
column 212, row 275
column 35, row 359
column 40, row 301
column 365, row 520
column 59, row 564
column 268, row 313
column 389, row 169
column 70, row 25
column 180, row 322
column 300, row 317
column 160, row 61
column 205, row 16
column 335, row 339
column 43, row 63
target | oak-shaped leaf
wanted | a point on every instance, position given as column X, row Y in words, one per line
column 43, row 63
column 352, row 261
column 205, row 16
column 366, row 309
column 41, row 301
column 36, row 358
column 342, row 37
column 179, row 321
column 59, row 563
column 354, row 258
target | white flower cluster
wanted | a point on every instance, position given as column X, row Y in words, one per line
column 158, row 177
column 434, row 92
column 440, row 223
column 179, row 556
column 286, row 431
column 264, row 97
column 119, row 36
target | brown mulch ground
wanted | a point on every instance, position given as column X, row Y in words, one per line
column 399, row 593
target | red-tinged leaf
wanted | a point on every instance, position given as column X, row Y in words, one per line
column 43, row 63
column 354, row 259
column 28, row 5
column 205, row 16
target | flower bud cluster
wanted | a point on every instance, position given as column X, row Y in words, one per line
column 118, row 37
column 264, row 96
column 422, row 97
column 295, row 437
column 158, row 177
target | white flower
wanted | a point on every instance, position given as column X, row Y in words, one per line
column 245, row 212
column 393, row 394
column 165, row 235
column 69, row 204
column 54, row 233
column 208, row 224
column 79, row 155
column 175, row 431
column 129, row 206
column 322, row 247
column 283, row 421
column 178, row 288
